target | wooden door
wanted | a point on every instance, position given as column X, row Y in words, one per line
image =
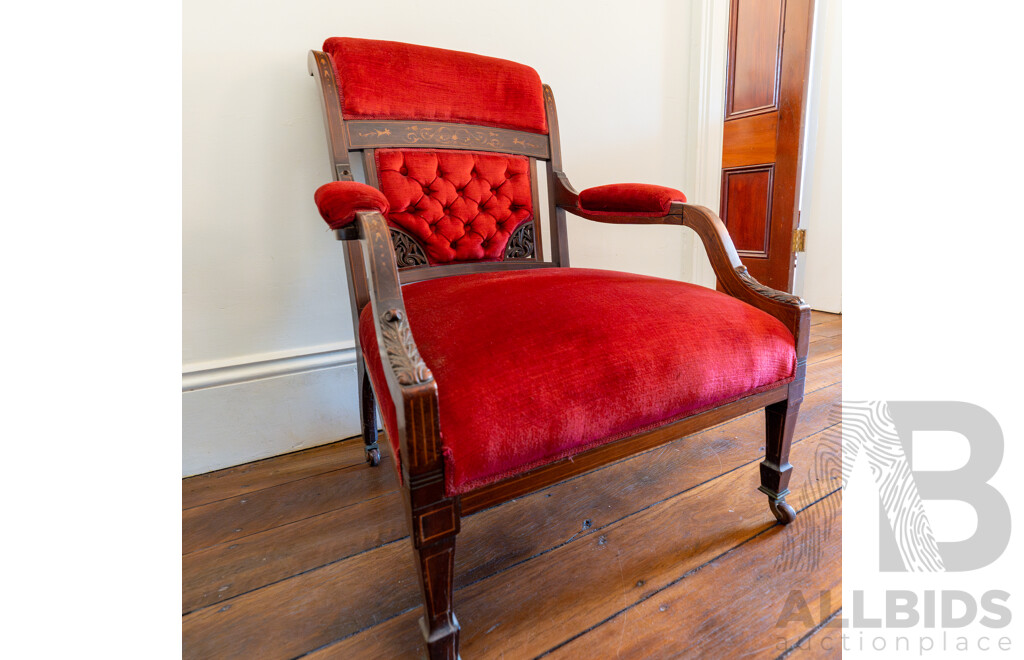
column 769, row 50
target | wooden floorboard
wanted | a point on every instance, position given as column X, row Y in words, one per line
column 695, row 617
column 224, row 571
column 550, row 599
column 823, row 317
column 250, row 513
column 824, row 348
column 229, row 569
column 825, row 641
column 307, row 553
column 828, row 329
column 242, row 479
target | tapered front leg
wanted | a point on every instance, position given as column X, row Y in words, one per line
column 434, row 533
column 780, row 422
column 368, row 416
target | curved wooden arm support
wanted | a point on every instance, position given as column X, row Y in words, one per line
column 410, row 383
column 566, row 196
column 731, row 273
column 736, row 281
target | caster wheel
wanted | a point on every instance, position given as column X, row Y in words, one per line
column 784, row 513
column 373, row 457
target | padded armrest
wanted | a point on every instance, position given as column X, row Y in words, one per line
column 635, row 199
column 338, row 201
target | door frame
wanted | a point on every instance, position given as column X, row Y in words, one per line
column 708, row 52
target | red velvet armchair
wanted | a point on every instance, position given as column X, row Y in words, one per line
column 497, row 372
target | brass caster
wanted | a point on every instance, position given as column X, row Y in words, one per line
column 373, row 456
column 784, row 513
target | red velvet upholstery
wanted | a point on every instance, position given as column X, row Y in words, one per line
column 527, row 369
column 461, row 205
column 338, row 201
column 639, row 199
column 392, row 80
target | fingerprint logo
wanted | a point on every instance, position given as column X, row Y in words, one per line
column 824, row 478
column 868, row 428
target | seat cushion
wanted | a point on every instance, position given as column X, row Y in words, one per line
column 532, row 366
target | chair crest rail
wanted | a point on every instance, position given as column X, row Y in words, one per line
column 373, row 134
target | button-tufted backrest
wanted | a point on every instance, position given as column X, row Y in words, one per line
column 460, row 205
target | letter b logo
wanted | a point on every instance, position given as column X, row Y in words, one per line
column 883, row 432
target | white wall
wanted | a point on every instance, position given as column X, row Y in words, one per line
column 267, row 337
column 818, row 276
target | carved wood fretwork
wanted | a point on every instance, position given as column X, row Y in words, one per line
column 408, row 252
column 766, row 291
column 402, row 353
column 363, row 134
column 521, row 244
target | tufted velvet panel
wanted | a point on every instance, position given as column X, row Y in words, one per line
column 393, row 80
column 460, row 205
column 535, row 365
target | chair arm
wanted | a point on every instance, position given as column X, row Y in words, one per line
column 410, row 383
column 731, row 273
column 338, row 202
column 629, row 199
column 619, row 203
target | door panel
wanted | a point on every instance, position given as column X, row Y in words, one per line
column 747, row 194
column 769, row 47
column 755, row 44
column 750, row 141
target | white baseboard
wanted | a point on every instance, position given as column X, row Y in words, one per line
column 244, row 411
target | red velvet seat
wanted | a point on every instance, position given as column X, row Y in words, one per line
column 526, row 372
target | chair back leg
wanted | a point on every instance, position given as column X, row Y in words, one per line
column 368, row 415
column 780, row 422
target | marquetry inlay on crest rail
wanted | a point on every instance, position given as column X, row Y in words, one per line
column 380, row 133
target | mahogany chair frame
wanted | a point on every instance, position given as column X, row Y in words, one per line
column 381, row 259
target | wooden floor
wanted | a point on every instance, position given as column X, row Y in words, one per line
column 671, row 553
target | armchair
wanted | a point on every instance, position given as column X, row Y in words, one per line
column 499, row 373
